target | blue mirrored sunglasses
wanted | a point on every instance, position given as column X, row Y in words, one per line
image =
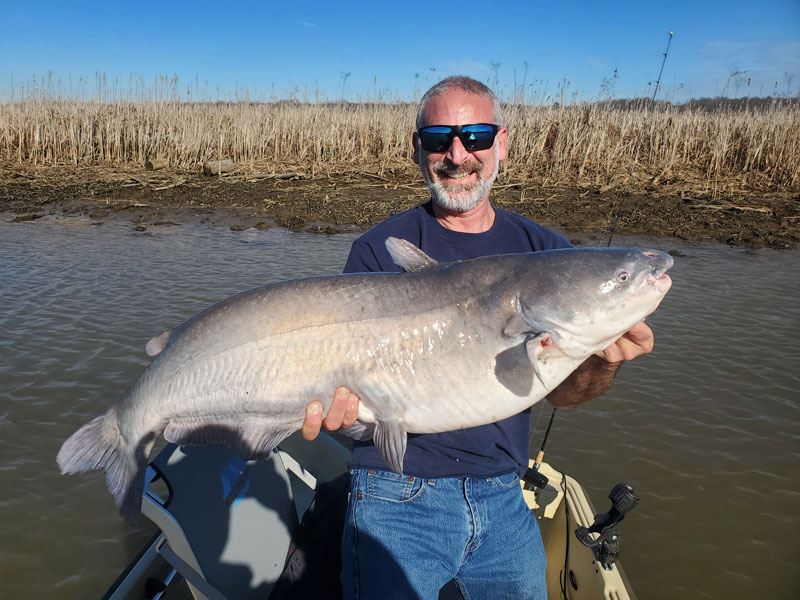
column 475, row 136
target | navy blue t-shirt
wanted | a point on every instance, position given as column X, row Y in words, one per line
column 483, row 451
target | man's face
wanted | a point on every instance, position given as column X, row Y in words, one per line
column 460, row 180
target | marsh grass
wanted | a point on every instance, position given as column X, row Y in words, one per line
column 639, row 146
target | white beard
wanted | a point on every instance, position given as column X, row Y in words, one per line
column 462, row 198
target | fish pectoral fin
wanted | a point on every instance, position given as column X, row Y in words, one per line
column 157, row 344
column 390, row 439
column 254, row 438
column 359, row 431
column 407, row 256
column 513, row 369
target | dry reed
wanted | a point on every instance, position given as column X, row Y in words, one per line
column 721, row 151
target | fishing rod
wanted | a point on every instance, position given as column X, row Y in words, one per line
column 663, row 62
column 612, row 228
column 532, row 475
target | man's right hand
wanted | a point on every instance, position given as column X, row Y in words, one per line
column 343, row 413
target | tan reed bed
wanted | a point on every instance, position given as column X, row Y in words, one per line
column 591, row 144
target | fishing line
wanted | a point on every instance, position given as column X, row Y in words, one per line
column 536, row 425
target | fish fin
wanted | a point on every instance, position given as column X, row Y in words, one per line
column 514, row 370
column 88, row 449
column 390, row 438
column 407, row 256
column 253, row 439
column 359, row 431
column 157, row 344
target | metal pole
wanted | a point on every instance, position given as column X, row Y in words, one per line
column 658, row 81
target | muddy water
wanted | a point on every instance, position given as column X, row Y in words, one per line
column 706, row 428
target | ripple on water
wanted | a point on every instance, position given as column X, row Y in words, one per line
column 706, row 428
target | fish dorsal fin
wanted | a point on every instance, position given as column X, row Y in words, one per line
column 407, row 256
column 157, row 344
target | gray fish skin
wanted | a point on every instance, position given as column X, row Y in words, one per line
column 443, row 346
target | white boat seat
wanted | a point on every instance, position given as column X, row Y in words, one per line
column 227, row 523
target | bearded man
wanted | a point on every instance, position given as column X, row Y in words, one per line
column 457, row 511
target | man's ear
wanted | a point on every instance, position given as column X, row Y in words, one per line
column 502, row 137
column 415, row 143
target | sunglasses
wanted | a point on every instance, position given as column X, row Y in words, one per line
column 475, row 136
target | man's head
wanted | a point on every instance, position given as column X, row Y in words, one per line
column 459, row 179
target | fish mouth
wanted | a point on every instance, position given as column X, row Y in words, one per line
column 662, row 283
column 658, row 277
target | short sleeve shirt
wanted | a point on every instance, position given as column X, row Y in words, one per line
column 483, row 451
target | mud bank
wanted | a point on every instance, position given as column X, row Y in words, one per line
column 350, row 202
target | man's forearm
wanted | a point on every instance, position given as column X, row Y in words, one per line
column 593, row 377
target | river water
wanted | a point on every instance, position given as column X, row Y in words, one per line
column 706, row 428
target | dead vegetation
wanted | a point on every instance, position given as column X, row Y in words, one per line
column 635, row 148
column 730, row 175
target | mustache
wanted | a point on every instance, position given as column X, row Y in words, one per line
column 445, row 170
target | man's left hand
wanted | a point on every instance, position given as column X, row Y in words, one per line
column 637, row 341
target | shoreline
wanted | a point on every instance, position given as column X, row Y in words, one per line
column 354, row 202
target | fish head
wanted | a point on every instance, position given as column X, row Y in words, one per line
column 585, row 299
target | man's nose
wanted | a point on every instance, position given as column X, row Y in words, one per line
column 456, row 154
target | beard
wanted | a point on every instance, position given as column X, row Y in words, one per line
column 461, row 198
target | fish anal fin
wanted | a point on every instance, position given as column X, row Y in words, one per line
column 390, row 439
column 407, row 256
column 157, row 344
column 252, row 439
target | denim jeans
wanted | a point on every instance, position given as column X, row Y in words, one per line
column 406, row 537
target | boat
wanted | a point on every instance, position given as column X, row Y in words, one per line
column 230, row 529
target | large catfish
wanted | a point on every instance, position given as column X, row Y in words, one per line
column 440, row 347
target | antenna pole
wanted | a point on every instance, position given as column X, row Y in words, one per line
column 663, row 62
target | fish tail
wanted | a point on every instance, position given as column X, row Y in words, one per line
column 97, row 445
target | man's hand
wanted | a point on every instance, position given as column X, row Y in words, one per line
column 637, row 341
column 597, row 372
column 343, row 413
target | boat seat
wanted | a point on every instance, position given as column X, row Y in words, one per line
column 227, row 523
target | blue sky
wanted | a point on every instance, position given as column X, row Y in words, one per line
column 396, row 50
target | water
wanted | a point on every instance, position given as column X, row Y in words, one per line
column 706, row 428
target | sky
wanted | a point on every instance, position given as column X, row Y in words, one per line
column 396, row 50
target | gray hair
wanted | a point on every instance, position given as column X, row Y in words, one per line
column 465, row 84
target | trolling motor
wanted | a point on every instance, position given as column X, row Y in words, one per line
column 606, row 545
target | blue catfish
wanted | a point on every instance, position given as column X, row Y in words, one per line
column 439, row 347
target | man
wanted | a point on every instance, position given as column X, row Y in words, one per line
column 457, row 511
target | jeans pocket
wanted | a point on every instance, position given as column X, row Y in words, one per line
column 507, row 480
column 386, row 485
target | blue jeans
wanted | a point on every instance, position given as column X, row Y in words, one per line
column 406, row 537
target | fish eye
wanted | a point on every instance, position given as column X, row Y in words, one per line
column 622, row 276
